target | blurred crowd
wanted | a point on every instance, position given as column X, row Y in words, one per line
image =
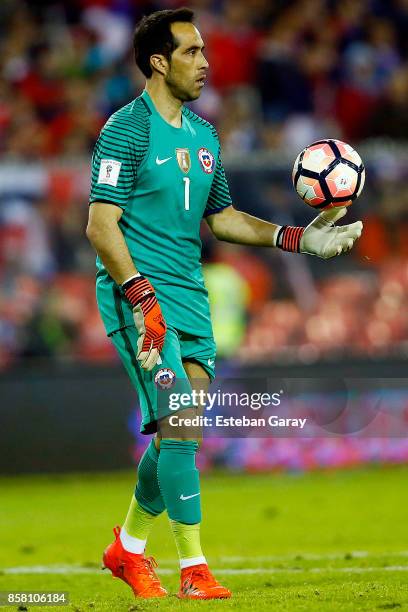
column 280, row 71
column 282, row 74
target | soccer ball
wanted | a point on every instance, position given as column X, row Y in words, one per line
column 328, row 173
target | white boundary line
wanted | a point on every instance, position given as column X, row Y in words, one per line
column 352, row 554
column 76, row 569
column 294, row 557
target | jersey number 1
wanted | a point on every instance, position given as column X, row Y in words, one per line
column 186, row 193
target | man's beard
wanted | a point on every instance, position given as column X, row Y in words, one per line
column 179, row 92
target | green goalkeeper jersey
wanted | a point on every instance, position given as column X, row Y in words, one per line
column 166, row 179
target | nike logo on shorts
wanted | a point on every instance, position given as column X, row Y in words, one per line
column 184, row 497
column 159, row 162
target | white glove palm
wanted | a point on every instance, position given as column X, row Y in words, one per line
column 324, row 239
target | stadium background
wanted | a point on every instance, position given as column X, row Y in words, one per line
column 282, row 74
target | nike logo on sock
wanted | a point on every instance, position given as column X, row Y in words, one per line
column 184, row 497
column 159, row 162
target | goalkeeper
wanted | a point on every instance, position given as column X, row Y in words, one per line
column 156, row 173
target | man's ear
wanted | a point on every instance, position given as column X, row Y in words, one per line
column 159, row 63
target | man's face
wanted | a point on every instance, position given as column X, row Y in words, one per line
column 186, row 73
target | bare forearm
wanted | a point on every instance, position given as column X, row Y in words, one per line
column 108, row 241
column 238, row 227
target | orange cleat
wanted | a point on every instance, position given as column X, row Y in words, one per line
column 136, row 570
column 197, row 582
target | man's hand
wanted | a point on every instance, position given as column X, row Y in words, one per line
column 321, row 237
column 148, row 319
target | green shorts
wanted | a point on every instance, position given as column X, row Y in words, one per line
column 154, row 387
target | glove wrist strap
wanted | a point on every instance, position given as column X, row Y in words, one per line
column 137, row 289
column 289, row 237
column 137, row 275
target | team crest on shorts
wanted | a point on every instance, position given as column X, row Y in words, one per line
column 183, row 159
column 206, row 159
column 165, row 378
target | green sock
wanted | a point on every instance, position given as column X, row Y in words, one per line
column 179, row 480
column 146, row 504
column 188, row 543
column 148, row 492
column 180, row 486
column 138, row 522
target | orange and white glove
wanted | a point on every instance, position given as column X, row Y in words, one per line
column 148, row 319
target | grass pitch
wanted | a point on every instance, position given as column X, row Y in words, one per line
column 320, row 541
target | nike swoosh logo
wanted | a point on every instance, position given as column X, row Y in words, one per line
column 184, row 497
column 159, row 162
column 210, row 362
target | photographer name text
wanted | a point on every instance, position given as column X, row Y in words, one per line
column 243, row 421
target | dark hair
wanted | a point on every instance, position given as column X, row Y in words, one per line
column 153, row 35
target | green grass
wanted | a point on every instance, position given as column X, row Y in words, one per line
column 299, row 534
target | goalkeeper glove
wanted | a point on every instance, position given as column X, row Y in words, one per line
column 321, row 237
column 148, row 319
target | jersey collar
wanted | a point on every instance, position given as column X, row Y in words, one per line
column 149, row 103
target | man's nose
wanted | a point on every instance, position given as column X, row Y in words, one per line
column 204, row 63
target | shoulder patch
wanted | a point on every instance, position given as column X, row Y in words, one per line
column 109, row 172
